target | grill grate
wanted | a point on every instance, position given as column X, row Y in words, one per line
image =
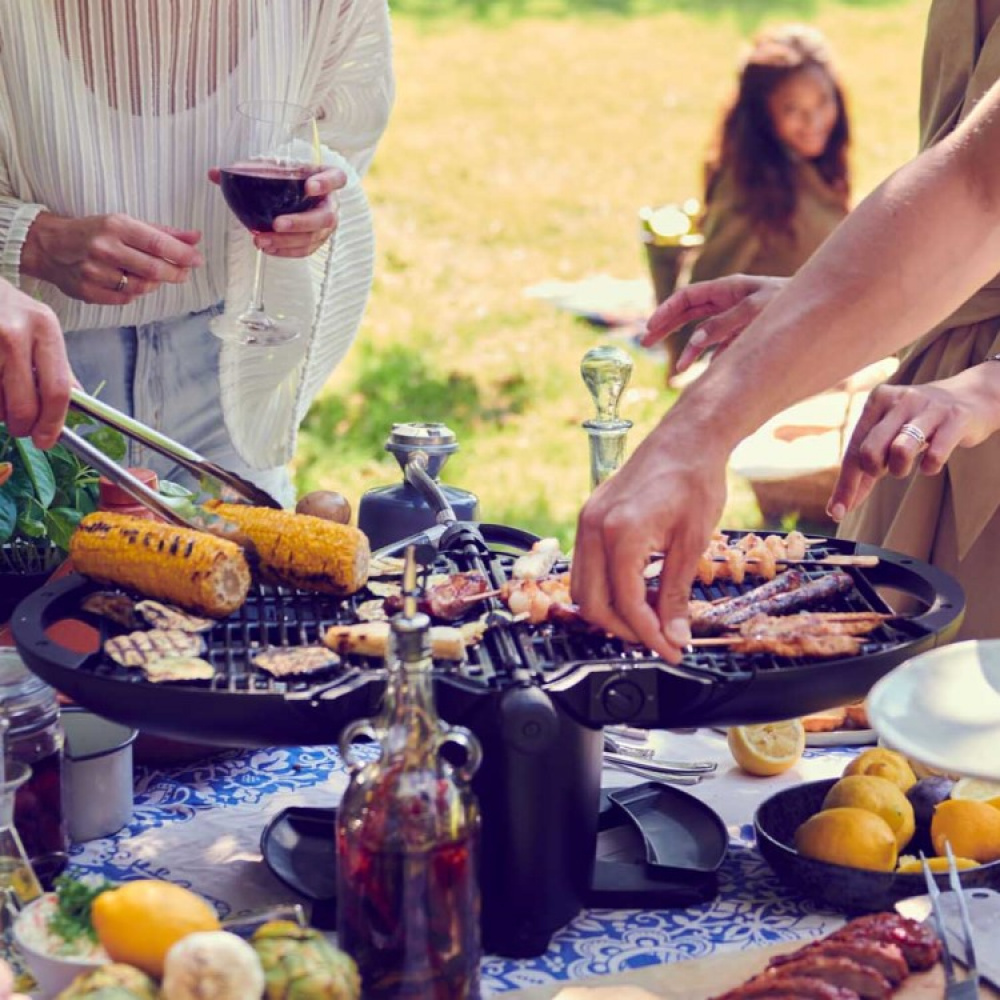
column 575, row 666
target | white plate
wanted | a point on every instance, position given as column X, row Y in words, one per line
column 943, row 708
column 842, row 738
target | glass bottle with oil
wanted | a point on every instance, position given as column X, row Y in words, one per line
column 407, row 836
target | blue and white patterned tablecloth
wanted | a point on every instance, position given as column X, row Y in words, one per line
column 200, row 825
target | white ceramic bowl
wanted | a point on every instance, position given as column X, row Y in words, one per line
column 52, row 972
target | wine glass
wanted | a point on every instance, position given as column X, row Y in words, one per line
column 271, row 149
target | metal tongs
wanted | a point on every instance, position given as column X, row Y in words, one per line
column 137, row 431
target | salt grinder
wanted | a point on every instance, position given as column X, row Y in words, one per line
column 606, row 371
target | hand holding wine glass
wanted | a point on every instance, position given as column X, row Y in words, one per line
column 274, row 184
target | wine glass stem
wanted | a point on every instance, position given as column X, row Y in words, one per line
column 256, row 307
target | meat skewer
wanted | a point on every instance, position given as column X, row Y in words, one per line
column 785, row 593
column 446, row 599
column 715, row 616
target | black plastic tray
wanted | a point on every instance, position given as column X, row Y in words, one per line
column 658, row 847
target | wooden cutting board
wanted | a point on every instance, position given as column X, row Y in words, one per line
column 702, row 978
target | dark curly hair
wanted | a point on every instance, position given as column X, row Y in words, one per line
column 748, row 145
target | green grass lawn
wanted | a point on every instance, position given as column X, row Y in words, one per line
column 525, row 137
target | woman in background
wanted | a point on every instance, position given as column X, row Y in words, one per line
column 777, row 183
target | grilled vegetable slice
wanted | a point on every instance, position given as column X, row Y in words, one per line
column 137, row 649
column 164, row 616
column 372, row 638
column 298, row 550
column 286, row 661
column 178, row 668
column 189, row 568
column 119, row 608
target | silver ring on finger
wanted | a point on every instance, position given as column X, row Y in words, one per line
column 122, row 283
column 914, row 432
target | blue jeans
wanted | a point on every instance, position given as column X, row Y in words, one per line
column 165, row 374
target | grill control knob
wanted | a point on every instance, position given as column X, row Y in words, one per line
column 622, row 699
column 528, row 719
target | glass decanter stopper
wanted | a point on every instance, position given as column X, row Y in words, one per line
column 408, row 904
column 606, row 371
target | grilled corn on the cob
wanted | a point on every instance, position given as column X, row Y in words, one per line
column 190, row 568
column 302, row 551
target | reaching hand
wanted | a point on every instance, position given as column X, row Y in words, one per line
column 903, row 428
column 667, row 498
column 108, row 260
column 301, row 234
column 733, row 302
column 35, row 376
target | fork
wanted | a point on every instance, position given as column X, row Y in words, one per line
column 955, row 988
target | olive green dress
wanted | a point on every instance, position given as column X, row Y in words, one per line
column 734, row 245
column 951, row 519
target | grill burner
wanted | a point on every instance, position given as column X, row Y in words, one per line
column 536, row 696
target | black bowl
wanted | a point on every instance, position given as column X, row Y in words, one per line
column 851, row 890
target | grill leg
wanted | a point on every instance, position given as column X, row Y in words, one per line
column 540, row 810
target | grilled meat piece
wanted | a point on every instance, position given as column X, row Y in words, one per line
column 884, row 958
column 137, row 649
column 920, row 946
column 810, row 592
column 718, row 616
column 445, row 599
column 788, row 988
column 865, row 980
column 813, row 623
column 816, row 646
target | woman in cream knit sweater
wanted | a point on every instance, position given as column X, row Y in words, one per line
column 111, row 117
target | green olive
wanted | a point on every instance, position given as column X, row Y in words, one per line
column 327, row 504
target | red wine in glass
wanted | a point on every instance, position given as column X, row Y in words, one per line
column 270, row 151
column 259, row 191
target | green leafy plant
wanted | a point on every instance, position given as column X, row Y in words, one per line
column 45, row 493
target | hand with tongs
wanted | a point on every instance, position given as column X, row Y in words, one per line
column 198, row 466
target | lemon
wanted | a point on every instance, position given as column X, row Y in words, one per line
column 970, row 826
column 975, row 788
column 769, row 748
column 877, row 795
column 883, row 763
column 910, row 865
column 139, row 921
column 848, row 836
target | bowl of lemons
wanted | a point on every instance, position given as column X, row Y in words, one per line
column 854, row 842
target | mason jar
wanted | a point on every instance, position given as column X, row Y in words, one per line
column 35, row 737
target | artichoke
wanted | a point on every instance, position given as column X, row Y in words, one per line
column 115, row 981
column 300, row 964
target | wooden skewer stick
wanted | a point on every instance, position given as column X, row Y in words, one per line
column 864, row 562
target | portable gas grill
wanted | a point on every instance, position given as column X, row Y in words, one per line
column 536, row 696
